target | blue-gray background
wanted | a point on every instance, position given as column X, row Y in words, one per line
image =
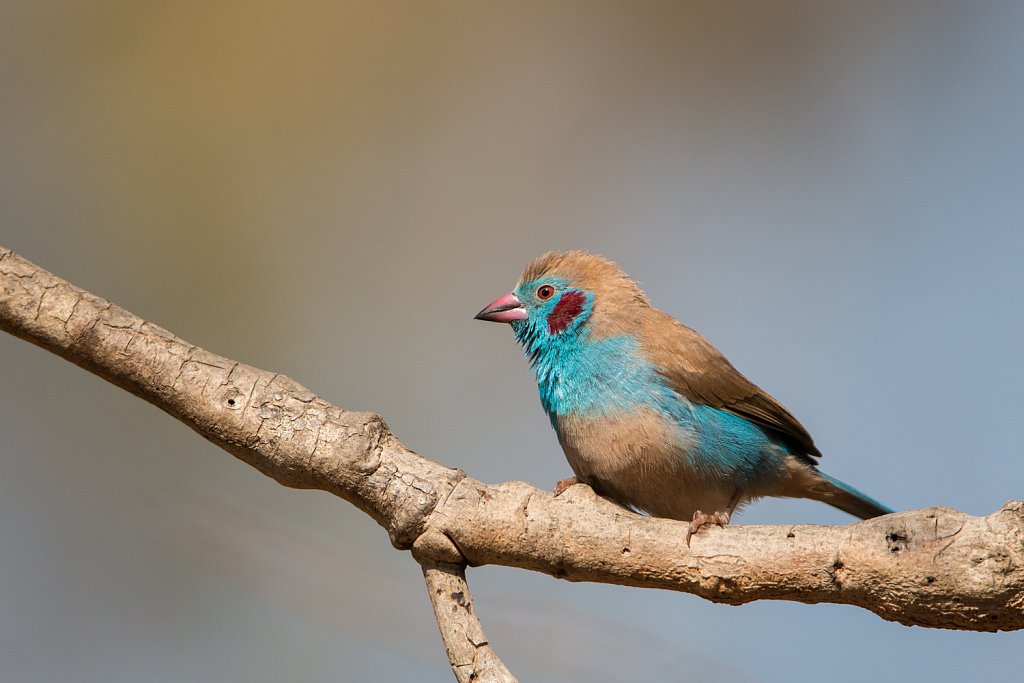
column 831, row 192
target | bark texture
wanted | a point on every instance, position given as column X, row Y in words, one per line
column 935, row 567
column 469, row 653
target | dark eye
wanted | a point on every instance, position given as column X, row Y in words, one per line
column 545, row 292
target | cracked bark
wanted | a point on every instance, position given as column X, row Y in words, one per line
column 470, row 654
column 935, row 567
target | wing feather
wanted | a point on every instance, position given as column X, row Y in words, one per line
column 700, row 373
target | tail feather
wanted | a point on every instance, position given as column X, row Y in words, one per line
column 848, row 499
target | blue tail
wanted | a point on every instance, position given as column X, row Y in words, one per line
column 848, row 499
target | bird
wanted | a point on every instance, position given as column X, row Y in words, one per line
column 648, row 413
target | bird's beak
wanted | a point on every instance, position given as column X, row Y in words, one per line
column 504, row 309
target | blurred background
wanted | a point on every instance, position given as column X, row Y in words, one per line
column 831, row 192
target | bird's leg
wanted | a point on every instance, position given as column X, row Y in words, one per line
column 733, row 502
column 721, row 518
column 564, row 484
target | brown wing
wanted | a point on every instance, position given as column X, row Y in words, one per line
column 700, row 373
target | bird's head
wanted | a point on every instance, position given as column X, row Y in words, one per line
column 561, row 294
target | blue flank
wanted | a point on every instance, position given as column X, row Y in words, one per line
column 579, row 375
column 734, row 448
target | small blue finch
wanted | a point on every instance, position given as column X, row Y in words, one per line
column 647, row 411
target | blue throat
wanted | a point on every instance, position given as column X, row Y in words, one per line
column 578, row 374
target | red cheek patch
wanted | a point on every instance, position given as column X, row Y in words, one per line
column 565, row 311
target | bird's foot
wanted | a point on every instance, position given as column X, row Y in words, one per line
column 700, row 519
column 564, row 484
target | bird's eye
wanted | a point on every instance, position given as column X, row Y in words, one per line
column 545, row 292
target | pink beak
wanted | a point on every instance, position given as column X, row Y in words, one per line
column 503, row 310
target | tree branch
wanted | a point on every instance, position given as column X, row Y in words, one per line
column 935, row 567
column 469, row 653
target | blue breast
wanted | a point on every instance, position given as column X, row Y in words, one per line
column 594, row 377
